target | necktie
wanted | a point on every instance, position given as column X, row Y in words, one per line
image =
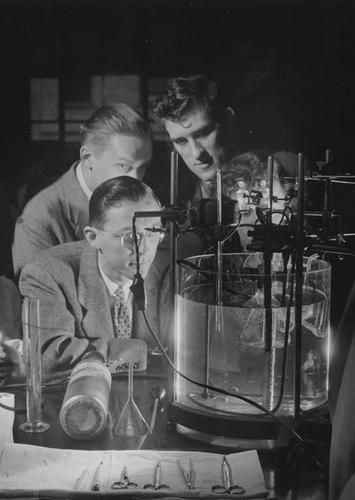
column 121, row 317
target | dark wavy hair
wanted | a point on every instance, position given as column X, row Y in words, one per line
column 247, row 167
column 184, row 94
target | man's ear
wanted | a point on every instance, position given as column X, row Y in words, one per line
column 91, row 236
column 85, row 156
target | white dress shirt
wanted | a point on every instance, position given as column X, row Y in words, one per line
column 112, row 287
column 81, row 180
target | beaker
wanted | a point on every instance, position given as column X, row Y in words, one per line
column 236, row 358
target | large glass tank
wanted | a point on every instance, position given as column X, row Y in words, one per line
column 225, row 336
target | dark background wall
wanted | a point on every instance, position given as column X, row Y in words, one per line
column 288, row 66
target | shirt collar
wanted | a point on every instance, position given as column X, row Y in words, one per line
column 112, row 286
column 81, row 180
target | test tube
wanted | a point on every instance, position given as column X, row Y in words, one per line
column 32, row 358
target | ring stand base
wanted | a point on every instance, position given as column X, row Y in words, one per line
column 245, row 432
column 232, row 443
column 34, row 427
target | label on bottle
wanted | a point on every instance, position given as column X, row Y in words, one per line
column 91, row 368
column 85, row 406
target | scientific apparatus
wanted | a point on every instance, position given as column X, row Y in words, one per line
column 256, row 325
column 31, row 322
column 238, row 356
column 130, row 422
column 84, row 410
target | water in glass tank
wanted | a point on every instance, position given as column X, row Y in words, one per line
column 224, row 344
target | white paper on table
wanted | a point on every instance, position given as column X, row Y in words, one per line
column 31, row 470
column 6, row 418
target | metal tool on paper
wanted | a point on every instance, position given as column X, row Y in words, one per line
column 157, row 485
column 188, row 475
column 80, row 481
column 227, row 480
column 124, row 483
column 96, row 482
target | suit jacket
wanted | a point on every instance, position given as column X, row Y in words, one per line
column 56, row 215
column 10, row 309
column 76, row 306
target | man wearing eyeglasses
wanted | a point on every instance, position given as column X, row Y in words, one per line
column 78, row 283
column 115, row 140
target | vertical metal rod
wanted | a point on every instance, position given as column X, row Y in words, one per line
column 219, row 276
column 219, row 243
column 218, row 286
column 299, row 285
column 326, row 207
column 270, row 173
column 267, row 265
column 267, row 300
column 206, row 393
column 172, row 269
column 269, row 355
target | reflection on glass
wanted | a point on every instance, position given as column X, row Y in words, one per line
column 240, row 351
column 32, row 357
column 130, row 422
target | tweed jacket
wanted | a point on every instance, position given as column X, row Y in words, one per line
column 56, row 215
column 75, row 304
column 10, row 310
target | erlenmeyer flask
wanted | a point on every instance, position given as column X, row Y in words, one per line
column 130, row 422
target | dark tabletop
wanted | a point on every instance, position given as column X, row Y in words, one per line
column 290, row 471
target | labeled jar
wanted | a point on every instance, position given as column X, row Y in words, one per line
column 84, row 411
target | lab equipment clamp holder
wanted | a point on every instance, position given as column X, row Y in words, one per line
column 263, row 429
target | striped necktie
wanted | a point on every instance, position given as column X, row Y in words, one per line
column 121, row 316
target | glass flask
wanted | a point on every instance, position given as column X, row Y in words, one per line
column 130, row 422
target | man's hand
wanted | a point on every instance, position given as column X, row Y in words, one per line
column 11, row 350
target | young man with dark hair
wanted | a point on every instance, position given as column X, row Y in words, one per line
column 78, row 283
column 201, row 127
column 115, row 140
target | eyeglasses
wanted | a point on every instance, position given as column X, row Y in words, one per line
column 155, row 235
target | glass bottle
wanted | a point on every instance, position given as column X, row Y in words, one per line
column 84, row 411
